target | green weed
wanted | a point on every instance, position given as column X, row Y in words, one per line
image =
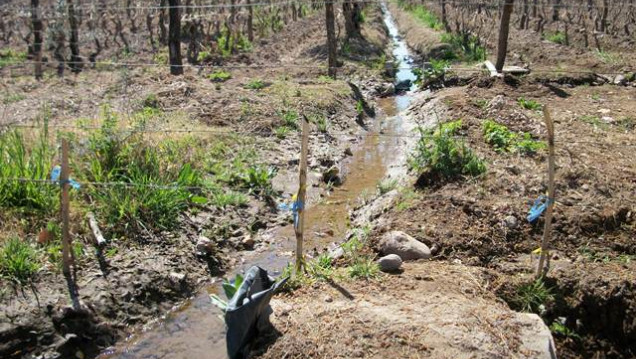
column 255, row 84
column 282, row 132
column 465, row 48
column 562, row 330
column 529, row 104
column 32, row 161
column 11, row 57
column 608, row 57
column 433, row 75
column 594, row 121
column 360, row 107
column 387, row 185
column 425, row 16
column 150, row 192
column 258, row 179
column 220, row 76
column 9, row 99
column 505, row 140
column 18, row 261
column 229, row 198
column 229, row 288
column 320, row 267
column 443, row 156
column 556, row 37
column 530, row 296
column 290, row 118
column 320, row 121
column 364, row 267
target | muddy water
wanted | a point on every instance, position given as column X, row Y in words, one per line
column 197, row 330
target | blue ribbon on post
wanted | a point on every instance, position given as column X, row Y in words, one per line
column 539, row 206
column 55, row 178
column 294, row 207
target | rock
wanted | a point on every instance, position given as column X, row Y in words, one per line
column 336, row 253
column 405, row 246
column 390, row 263
column 511, row 222
column 248, row 241
column 497, row 103
column 177, row 277
column 620, row 80
column 332, row 175
column 328, row 299
column 205, row 246
column 535, row 336
column 403, row 85
column 348, row 151
column 385, row 89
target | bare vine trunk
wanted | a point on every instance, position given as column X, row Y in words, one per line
column 163, row 32
column 504, row 29
column 331, row 38
column 174, row 41
column 76, row 60
column 36, row 22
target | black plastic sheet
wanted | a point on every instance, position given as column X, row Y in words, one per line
column 248, row 306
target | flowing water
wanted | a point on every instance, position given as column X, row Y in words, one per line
column 197, row 330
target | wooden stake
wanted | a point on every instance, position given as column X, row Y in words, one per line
column 302, row 192
column 65, row 204
column 504, row 29
column 545, row 247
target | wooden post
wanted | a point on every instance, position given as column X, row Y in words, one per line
column 302, row 192
column 545, row 247
column 66, row 236
column 504, row 28
column 174, row 38
column 331, row 39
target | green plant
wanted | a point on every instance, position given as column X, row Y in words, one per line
column 561, row 329
column 505, row 140
column 363, row 267
column 204, row 56
column 499, row 136
column 556, row 37
column 529, row 104
column 443, row 156
column 608, row 57
column 32, row 162
column 426, row 17
column 320, row 121
column 151, row 101
column 11, row 57
column 594, row 121
column 360, row 107
column 290, row 118
column 387, row 185
column 17, row 97
column 220, row 76
column 229, row 198
column 282, row 132
column 433, row 75
column 229, row 288
column 149, row 191
column 531, row 296
column 529, row 146
column 320, row 267
column 465, row 47
column 481, row 103
column 18, row 261
column 258, row 179
column 255, row 84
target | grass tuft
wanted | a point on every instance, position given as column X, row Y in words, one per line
column 18, row 261
column 441, row 155
column 529, row 104
column 531, row 296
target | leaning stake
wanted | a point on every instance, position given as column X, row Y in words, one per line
column 548, row 214
column 300, row 198
column 67, row 256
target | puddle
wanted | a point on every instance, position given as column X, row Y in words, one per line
column 197, row 330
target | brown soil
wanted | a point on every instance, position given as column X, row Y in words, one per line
column 431, row 310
